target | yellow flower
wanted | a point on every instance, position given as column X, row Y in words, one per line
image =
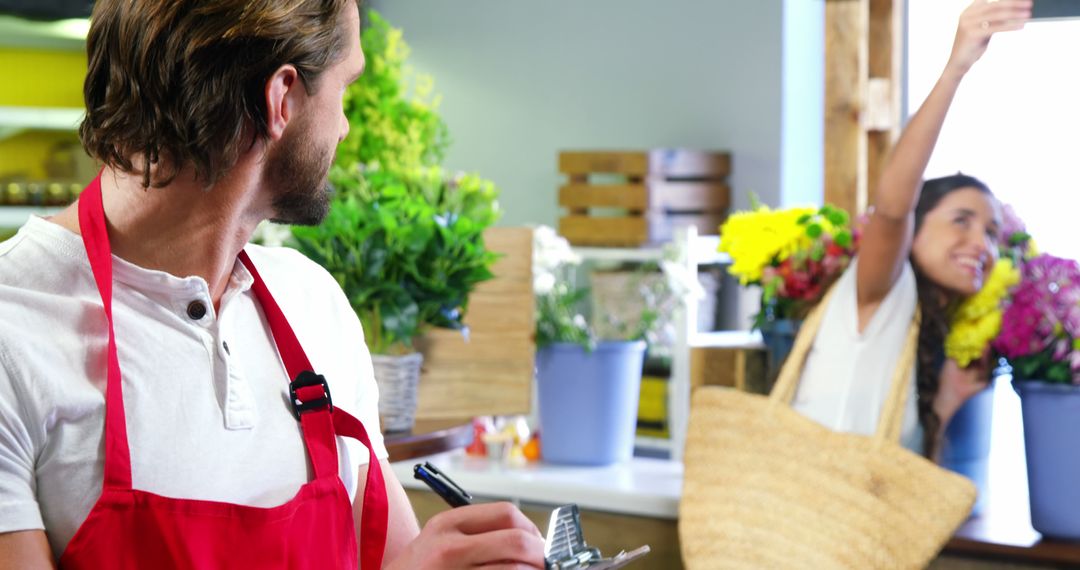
column 1032, row 249
column 978, row 319
column 967, row 340
column 757, row 238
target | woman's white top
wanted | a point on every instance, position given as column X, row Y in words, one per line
column 846, row 377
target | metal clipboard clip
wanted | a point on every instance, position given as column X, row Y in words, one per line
column 565, row 548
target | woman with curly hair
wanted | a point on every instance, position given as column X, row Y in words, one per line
column 926, row 246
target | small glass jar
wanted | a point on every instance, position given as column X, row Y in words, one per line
column 35, row 194
column 56, row 194
column 15, row 195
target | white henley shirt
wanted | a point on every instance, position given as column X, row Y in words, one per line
column 206, row 399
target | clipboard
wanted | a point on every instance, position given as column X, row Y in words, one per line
column 565, row 547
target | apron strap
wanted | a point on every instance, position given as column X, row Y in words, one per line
column 320, row 425
column 317, row 427
column 374, row 519
column 95, row 238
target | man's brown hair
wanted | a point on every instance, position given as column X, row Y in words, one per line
column 182, row 82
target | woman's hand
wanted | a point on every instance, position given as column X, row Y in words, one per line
column 981, row 20
column 886, row 241
column 956, row 385
column 490, row 535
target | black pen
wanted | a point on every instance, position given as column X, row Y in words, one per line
column 454, row 495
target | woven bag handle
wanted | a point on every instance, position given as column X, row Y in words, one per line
column 891, row 418
column 783, row 391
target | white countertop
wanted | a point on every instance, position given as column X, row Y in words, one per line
column 642, row 486
column 13, row 217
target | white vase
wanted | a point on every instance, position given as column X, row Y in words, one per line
column 398, row 378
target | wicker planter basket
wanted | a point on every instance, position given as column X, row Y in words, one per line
column 398, row 378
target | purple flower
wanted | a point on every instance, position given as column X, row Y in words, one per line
column 1044, row 312
column 1010, row 222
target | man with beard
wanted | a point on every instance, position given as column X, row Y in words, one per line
column 171, row 396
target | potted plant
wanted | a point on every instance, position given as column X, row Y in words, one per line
column 394, row 124
column 588, row 384
column 1040, row 339
column 407, row 251
column 404, row 239
column 794, row 255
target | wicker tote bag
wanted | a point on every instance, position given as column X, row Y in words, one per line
column 765, row 487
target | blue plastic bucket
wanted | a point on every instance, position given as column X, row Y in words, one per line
column 1051, row 422
column 966, row 449
column 588, row 401
column 779, row 338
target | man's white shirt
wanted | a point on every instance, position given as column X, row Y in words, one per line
column 206, row 399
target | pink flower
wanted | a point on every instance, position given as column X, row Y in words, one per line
column 1010, row 222
column 1044, row 312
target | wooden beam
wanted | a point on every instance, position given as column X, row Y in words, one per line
column 864, row 53
column 885, row 68
column 846, row 78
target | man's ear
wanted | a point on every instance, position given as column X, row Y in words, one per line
column 282, row 99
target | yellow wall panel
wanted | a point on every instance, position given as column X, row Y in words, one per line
column 23, row 156
column 42, row 78
column 37, row 78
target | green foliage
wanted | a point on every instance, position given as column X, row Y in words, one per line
column 1042, row 366
column 407, row 250
column 392, row 111
column 560, row 317
column 566, row 312
column 403, row 239
column 1018, row 239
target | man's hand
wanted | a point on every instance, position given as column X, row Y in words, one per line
column 491, row 535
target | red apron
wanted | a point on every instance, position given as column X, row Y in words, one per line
column 128, row 528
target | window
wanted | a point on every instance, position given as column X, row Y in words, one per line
column 1015, row 122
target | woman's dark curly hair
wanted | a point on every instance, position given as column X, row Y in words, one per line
column 937, row 305
column 181, row 83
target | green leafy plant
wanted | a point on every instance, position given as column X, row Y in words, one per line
column 403, row 238
column 565, row 311
column 394, row 123
column 406, row 249
column 561, row 317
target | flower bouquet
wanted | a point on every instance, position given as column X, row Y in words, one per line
column 980, row 319
column 1039, row 338
column 1028, row 315
column 589, row 360
column 569, row 313
column 1040, row 332
column 793, row 254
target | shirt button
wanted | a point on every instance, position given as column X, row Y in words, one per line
column 196, row 310
column 225, row 345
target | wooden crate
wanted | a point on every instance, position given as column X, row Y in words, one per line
column 492, row 373
column 641, row 197
column 734, row 359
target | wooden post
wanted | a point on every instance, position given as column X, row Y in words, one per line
column 864, row 52
column 846, row 64
column 886, row 69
